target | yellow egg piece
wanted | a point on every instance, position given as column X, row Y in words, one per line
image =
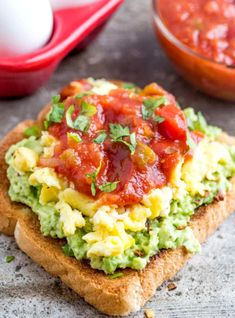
column 24, row 159
column 79, row 201
column 70, row 219
column 48, row 194
column 203, row 165
column 46, row 176
column 158, row 201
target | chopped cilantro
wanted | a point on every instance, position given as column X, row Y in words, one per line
column 128, row 85
column 67, row 250
column 101, row 137
column 93, row 177
column 32, row 131
column 190, row 142
column 82, row 122
column 56, row 113
column 117, row 132
column 80, row 95
column 116, row 275
column 109, row 186
column 9, row 258
column 68, row 116
column 158, row 119
column 151, row 104
column 88, row 109
column 74, row 136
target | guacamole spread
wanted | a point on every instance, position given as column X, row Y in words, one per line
column 100, row 227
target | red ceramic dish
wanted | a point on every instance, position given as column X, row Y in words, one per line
column 207, row 75
column 22, row 75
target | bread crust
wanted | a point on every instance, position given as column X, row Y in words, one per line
column 111, row 296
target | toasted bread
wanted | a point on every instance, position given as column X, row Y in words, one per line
column 111, row 296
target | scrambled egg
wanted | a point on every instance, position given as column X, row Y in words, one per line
column 48, row 142
column 203, row 164
column 50, row 182
column 111, row 223
column 70, row 218
column 79, row 201
column 45, row 176
column 101, row 87
column 24, row 159
column 158, row 201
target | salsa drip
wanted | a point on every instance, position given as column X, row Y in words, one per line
column 207, row 27
column 117, row 147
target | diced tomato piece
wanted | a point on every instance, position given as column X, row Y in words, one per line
column 174, row 125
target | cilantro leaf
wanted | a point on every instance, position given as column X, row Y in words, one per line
column 56, row 113
column 128, row 85
column 32, row 131
column 68, row 116
column 80, row 95
column 93, row 177
column 190, row 142
column 101, row 137
column 9, row 258
column 81, row 123
column 117, row 132
column 93, row 188
column 74, row 136
column 88, row 109
column 151, row 104
column 109, row 186
column 158, row 119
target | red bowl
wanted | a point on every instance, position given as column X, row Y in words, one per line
column 73, row 27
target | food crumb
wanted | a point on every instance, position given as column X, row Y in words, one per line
column 149, row 313
column 171, row 286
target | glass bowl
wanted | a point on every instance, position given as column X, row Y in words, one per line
column 210, row 77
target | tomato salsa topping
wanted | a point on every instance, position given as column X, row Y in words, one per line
column 119, row 146
column 206, row 26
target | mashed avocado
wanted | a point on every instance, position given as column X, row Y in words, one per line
column 164, row 232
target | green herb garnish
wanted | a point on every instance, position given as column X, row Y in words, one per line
column 93, row 177
column 56, row 113
column 74, row 136
column 67, row 250
column 88, row 109
column 151, row 104
column 109, row 186
column 32, row 131
column 117, row 132
column 116, row 275
column 82, row 122
column 128, row 85
column 9, row 258
column 101, row 137
column 158, row 119
column 190, row 142
column 80, row 95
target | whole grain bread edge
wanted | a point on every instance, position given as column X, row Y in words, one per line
column 111, row 296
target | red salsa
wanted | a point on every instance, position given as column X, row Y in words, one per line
column 206, row 26
column 117, row 147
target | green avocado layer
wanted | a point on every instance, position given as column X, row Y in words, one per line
column 161, row 233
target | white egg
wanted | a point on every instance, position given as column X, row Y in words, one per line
column 25, row 26
column 59, row 4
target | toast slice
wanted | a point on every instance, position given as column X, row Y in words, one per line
column 111, row 296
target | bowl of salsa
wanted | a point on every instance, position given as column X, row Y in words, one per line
column 199, row 38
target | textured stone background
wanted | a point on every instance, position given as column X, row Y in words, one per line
column 206, row 286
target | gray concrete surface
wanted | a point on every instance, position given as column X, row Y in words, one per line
column 206, row 286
